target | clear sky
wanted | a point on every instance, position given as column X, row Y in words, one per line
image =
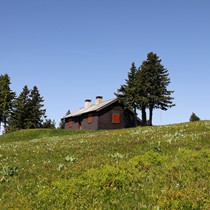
column 74, row 50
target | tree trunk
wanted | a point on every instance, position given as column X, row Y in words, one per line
column 5, row 122
column 150, row 115
column 144, row 115
column 135, row 117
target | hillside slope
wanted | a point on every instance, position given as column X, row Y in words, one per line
column 163, row 167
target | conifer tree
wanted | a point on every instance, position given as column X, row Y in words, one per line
column 156, row 80
column 27, row 112
column 20, row 115
column 48, row 123
column 146, row 88
column 6, row 99
column 36, row 113
column 127, row 94
column 142, row 96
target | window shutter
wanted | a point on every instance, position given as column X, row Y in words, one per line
column 70, row 124
column 115, row 118
column 90, row 119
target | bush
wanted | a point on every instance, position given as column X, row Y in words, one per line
column 194, row 117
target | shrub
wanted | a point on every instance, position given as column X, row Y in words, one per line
column 194, row 117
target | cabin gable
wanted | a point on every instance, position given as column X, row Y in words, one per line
column 115, row 117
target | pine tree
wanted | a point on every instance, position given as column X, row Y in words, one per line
column 48, row 123
column 20, row 115
column 142, row 95
column 6, row 99
column 127, row 94
column 156, row 80
column 27, row 112
column 36, row 113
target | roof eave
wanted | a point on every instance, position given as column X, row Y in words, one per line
column 108, row 104
column 89, row 110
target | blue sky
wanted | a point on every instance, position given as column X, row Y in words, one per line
column 77, row 49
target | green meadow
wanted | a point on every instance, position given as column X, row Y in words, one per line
column 159, row 167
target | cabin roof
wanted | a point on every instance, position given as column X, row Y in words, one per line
column 92, row 108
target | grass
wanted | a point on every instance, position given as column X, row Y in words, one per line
column 160, row 167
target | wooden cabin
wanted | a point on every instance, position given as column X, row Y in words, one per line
column 109, row 114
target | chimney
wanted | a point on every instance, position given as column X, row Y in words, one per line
column 99, row 100
column 87, row 103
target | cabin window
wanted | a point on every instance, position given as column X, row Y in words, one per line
column 90, row 119
column 116, row 118
column 70, row 124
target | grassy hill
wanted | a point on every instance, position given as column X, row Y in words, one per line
column 162, row 167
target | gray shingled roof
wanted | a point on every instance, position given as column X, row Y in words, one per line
column 92, row 108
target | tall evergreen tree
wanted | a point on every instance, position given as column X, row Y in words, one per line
column 20, row 114
column 156, row 80
column 128, row 93
column 6, row 99
column 27, row 112
column 142, row 95
column 36, row 113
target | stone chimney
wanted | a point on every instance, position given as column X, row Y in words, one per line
column 99, row 100
column 87, row 103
